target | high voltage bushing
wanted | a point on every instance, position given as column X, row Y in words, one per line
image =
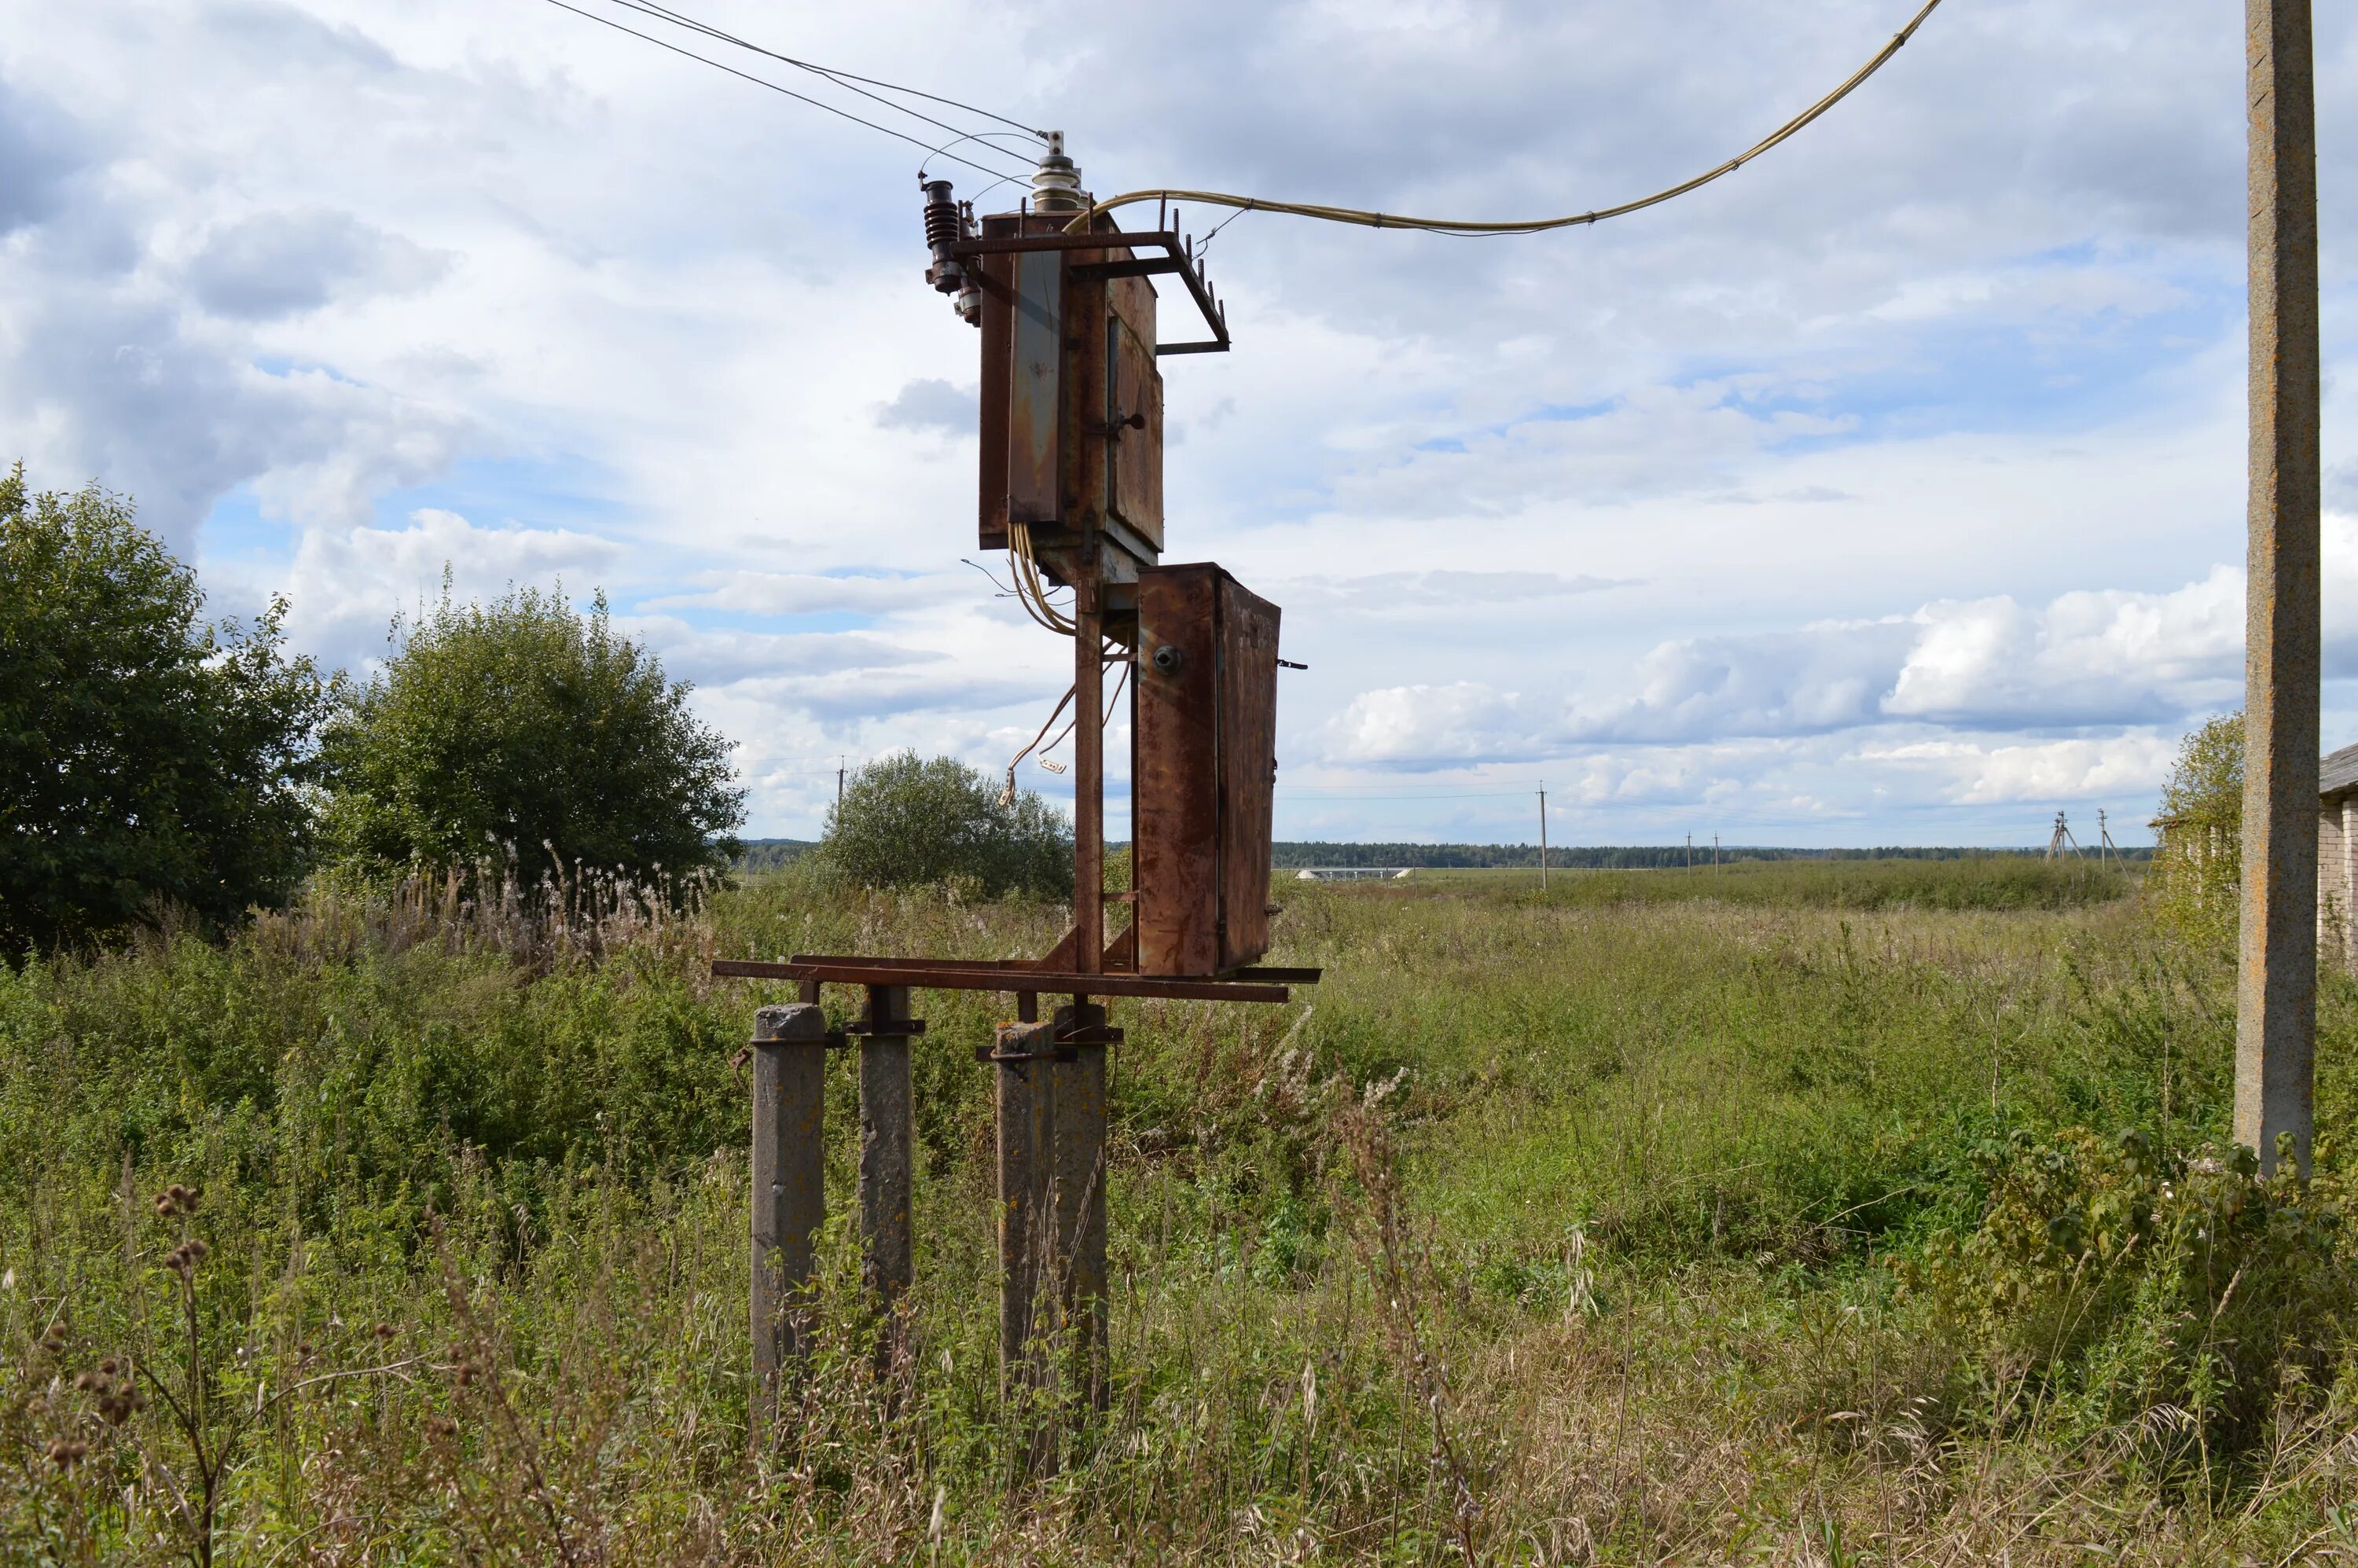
column 946, row 225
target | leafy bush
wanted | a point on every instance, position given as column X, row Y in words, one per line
column 2176, row 1294
column 2195, row 889
column 522, row 725
column 145, row 756
column 908, row 823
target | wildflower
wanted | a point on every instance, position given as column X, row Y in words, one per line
column 65, row 1453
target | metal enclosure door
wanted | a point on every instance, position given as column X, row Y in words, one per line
column 1037, row 352
column 1206, row 762
column 1133, row 453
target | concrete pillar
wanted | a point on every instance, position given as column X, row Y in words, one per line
column 887, row 1156
column 789, row 1189
column 2276, row 1015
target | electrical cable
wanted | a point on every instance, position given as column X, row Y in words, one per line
column 763, row 81
column 1032, row 592
column 841, row 77
column 1007, row 796
column 1469, row 227
column 661, row 14
column 1113, row 703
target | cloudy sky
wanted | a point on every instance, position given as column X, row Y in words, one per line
column 1888, row 491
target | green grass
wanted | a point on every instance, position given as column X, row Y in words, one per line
column 1993, row 882
column 1576, row 1226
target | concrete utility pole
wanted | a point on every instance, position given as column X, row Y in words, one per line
column 2276, row 999
column 1543, row 840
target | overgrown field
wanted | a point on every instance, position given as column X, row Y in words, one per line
column 1779, row 1217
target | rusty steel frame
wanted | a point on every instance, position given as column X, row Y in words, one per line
column 2275, row 993
column 951, row 975
column 1175, row 260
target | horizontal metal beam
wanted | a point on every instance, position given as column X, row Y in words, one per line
column 1136, row 266
column 940, row 975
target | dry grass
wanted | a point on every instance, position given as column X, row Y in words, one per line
column 1544, row 1233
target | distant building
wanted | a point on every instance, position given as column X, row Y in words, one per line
column 1349, row 873
column 2337, row 866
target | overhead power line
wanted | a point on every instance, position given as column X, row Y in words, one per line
column 843, row 79
column 764, row 81
column 1529, row 225
column 834, row 75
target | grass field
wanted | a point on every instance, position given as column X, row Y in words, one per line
column 1822, row 1213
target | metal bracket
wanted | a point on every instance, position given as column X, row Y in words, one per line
column 1056, row 1054
column 1177, row 259
column 833, row 1040
column 890, row 1028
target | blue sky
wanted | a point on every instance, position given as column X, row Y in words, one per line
column 1889, row 490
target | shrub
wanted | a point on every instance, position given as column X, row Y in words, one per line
column 146, row 756
column 2195, row 888
column 522, row 725
column 2176, row 1297
column 903, row 822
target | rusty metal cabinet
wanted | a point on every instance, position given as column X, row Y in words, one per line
column 1204, row 767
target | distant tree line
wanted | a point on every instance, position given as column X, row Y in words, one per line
column 1290, row 856
column 758, row 855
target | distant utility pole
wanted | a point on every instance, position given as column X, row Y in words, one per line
column 2275, row 993
column 1543, row 840
column 1714, row 854
column 2061, row 841
column 839, row 763
column 1691, row 851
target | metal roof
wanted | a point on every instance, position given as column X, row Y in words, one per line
column 2337, row 774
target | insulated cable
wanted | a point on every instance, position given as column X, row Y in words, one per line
column 1111, row 703
column 1030, row 590
column 1525, row 226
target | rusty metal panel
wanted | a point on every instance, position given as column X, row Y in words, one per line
column 1205, row 761
column 1134, row 431
column 994, row 275
column 1248, row 764
column 1034, row 410
column 1175, row 790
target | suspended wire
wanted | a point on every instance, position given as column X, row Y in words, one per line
column 1111, row 703
column 839, row 77
column 663, row 14
column 1466, row 227
column 1032, row 591
column 763, row 81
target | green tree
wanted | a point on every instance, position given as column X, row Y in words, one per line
column 904, row 822
column 521, row 724
column 2195, row 887
column 146, row 754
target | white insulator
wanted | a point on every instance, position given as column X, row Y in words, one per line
column 1057, row 183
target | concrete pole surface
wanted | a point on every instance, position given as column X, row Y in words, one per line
column 2276, row 1002
column 1079, row 1198
column 887, row 1147
column 789, row 1187
column 1027, row 1133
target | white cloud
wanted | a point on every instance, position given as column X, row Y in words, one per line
column 1974, row 379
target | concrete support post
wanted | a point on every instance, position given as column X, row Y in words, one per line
column 1027, row 1121
column 789, row 1189
column 2275, row 1014
column 887, row 1121
column 1079, row 1197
